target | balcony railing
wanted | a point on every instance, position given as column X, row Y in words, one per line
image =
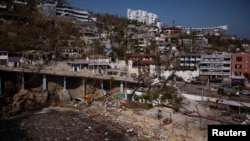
column 215, row 68
column 214, row 62
column 215, row 73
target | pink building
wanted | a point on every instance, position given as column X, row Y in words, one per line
column 240, row 64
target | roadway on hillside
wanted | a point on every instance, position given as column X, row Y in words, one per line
column 67, row 72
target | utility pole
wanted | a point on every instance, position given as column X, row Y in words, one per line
column 172, row 127
column 125, row 91
column 202, row 92
column 186, row 128
column 144, row 112
column 239, row 107
column 93, row 66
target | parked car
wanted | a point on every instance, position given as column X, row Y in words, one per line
column 244, row 92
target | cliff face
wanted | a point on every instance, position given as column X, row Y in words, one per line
column 23, row 101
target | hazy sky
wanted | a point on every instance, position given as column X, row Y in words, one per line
column 187, row 13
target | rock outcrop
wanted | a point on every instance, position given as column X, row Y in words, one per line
column 24, row 101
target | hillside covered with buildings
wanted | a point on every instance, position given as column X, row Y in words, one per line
column 37, row 32
column 63, row 32
column 133, row 74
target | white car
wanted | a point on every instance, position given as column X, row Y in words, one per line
column 244, row 92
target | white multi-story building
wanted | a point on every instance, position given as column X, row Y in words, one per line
column 216, row 64
column 78, row 14
column 142, row 16
column 208, row 30
column 52, row 8
column 190, row 60
column 48, row 8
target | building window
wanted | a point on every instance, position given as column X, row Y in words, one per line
column 237, row 73
column 238, row 66
column 238, row 59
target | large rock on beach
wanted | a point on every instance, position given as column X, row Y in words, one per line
column 23, row 101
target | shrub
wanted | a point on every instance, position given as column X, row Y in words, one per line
column 149, row 106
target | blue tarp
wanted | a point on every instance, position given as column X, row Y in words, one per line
column 13, row 59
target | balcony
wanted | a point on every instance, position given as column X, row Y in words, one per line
column 214, row 68
column 215, row 73
column 215, row 62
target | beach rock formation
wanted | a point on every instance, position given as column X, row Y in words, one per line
column 23, row 101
